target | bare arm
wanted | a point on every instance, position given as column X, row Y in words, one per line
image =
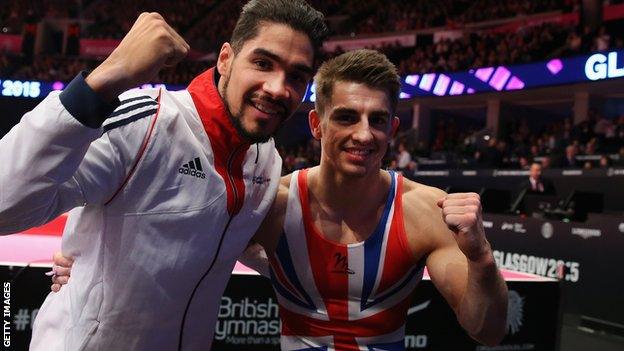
column 478, row 286
column 474, row 289
column 483, row 308
column 256, row 258
column 461, row 264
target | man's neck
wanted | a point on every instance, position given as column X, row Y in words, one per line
column 348, row 195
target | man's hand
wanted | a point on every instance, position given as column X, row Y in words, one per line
column 61, row 271
column 462, row 214
column 150, row 45
column 480, row 290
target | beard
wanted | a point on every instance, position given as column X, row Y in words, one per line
column 237, row 117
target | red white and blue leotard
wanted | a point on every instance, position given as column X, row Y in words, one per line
column 336, row 296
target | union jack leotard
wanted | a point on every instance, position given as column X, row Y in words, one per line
column 336, row 296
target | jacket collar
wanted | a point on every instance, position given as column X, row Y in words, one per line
column 212, row 111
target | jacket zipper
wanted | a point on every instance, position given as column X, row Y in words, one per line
column 231, row 178
column 214, row 259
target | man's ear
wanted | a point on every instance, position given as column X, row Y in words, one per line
column 395, row 125
column 225, row 58
column 314, row 121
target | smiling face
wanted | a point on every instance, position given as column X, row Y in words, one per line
column 264, row 83
column 355, row 129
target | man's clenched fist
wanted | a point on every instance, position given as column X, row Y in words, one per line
column 462, row 214
column 150, row 45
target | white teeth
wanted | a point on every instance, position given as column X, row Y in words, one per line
column 264, row 108
column 359, row 152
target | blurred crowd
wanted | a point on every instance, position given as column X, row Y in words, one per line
column 472, row 51
column 15, row 14
column 364, row 17
column 61, row 68
column 112, row 18
column 205, row 24
column 486, row 49
column 597, row 142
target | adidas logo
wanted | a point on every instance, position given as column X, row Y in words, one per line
column 193, row 168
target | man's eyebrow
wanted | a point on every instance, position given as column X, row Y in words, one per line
column 380, row 113
column 350, row 111
column 273, row 56
column 344, row 111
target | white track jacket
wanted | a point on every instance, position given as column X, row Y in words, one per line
column 164, row 196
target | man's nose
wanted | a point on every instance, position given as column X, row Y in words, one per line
column 276, row 87
column 363, row 133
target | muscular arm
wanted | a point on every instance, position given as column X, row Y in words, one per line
column 460, row 260
column 474, row 289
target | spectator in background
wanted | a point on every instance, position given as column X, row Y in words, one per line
column 605, row 161
column 569, row 159
column 573, row 43
column 602, row 39
column 410, row 171
column 536, row 183
column 546, row 162
column 620, row 157
column 591, row 146
column 393, row 165
column 523, row 162
column 403, row 157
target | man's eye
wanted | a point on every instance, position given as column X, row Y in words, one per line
column 379, row 121
column 299, row 78
column 262, row 64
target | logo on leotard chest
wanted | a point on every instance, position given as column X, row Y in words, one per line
column 341, row 264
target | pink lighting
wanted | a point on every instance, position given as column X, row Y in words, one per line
column 457, row 88
column 555, row 66
column 441, row 85
column 412, row 79
column 484, row 73
column 514, row 84
column 427, row 81
column 500, row 77
column 58, row 85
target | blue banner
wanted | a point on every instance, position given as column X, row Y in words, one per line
column 594, row 67
column 579, row 69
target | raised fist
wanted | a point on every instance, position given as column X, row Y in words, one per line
column 150, row 45
column 462, row 214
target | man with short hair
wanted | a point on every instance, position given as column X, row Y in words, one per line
column 347, row 242
column 165, row 188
